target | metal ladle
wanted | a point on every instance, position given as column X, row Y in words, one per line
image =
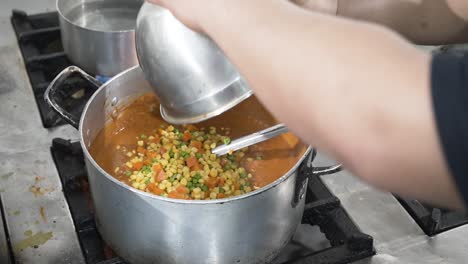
column 250, row 140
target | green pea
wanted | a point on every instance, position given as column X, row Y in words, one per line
column 143, row 136
column 221, row 190
column 128, row 173
column 199, row 156
column 204, row 188
column 171, row 154
column 190, row 185
column 243, row 174
column 227, row 141
column 147, row 181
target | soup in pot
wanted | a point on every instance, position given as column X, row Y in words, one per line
column 140, row 149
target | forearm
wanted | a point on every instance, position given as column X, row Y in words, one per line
column 339, row 84
column 424, row 22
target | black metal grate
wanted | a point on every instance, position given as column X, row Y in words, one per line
column 41, row 46
column 433, row 220
column 323, row 209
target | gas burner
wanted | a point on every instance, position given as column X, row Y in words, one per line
column 44, row 58
column 433, row 220
column 324, row 217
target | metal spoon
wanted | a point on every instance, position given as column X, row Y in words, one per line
column 250, row 140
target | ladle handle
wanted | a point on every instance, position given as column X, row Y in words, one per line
column 251, row 139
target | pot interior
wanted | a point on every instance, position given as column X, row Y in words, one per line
column 125, row 108
column 101, row 15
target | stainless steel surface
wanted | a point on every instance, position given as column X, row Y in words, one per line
column 188, row 71
column 25, row 155
column 251, row 228
column 251, row 139
column 99, row 36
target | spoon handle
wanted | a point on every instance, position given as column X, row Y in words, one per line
column 251, row 139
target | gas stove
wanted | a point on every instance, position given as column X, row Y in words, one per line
column 47, row 209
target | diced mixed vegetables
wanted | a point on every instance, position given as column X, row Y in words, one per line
column 178, row 163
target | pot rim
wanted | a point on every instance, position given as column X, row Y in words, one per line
column 62, row 15
column 166, row 199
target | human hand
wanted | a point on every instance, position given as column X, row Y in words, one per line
column 323, row 6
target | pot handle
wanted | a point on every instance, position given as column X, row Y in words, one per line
column 307, row 171
column 58, row 84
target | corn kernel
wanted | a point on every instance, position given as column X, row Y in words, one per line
column 133, row 177
column 135, row 185
column 196, row 190
column 213, row 173
column 183, row 181
column 213, row 195
column 116, row 169
column 141, row 143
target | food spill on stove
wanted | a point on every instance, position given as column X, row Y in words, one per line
column 33, row 241
column 176, row 162
column 43, row 215
column 6, row 175
column 38, row 190
column 28, row 233
column 15, row 212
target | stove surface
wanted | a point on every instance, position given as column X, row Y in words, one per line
column 40, row 226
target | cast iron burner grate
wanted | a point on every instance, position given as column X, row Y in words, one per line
column 345, row 242
column 433, row 220
column 41, row 46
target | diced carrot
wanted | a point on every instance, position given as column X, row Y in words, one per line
column 157, row 168
column 196, row 167
column 221, row 195
column 137, row 165
column 211, row 182
column 162, row 150
column 196, row 144
column 147, row 162
column 191, row 128
column 192, row 161
column 151, row 186
column 176, row 195
column 187, row 136
column 182, row 189
column 221, row 181
column 161, row 176
column 236, row 186
column 157, row 191
column 156, row 139
column 141, row 150
column 152, row 154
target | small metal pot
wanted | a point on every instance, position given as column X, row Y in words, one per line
column 192, row 77
column 145, row 228
column 99, row 35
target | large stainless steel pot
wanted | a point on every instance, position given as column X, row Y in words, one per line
column 144, row 228
column 99, row 35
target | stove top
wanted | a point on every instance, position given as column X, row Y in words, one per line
column 44, row 191
column 327, row 233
